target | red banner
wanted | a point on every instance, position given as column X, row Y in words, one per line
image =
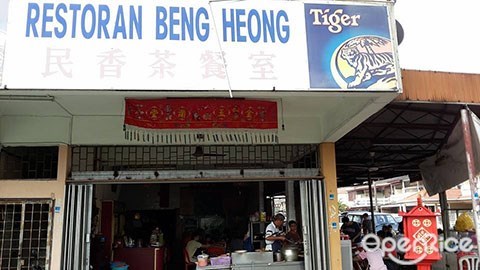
column 201, row 114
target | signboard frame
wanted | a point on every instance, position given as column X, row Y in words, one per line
column 275, row 60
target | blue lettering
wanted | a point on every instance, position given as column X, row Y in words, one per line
column 136, row 21
column 75, row 8
column 85, row 32
column 187, row 20
column 240, row 24
column 46, row 18
column 284, row 34
column 174, row 22
column 120, row 24
column 268, row 26
column 161, row 31
column 32, row 19
column 251, row 15
column 61, row 20
column 228, row 24
column 202, row 35
column 103, row 19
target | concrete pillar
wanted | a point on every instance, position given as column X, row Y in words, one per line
column 329, row 171
column 64, row 165
column 42, row 189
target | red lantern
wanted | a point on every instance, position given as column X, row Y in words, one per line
column 420, row 227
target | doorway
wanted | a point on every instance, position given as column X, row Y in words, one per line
column 221, row 211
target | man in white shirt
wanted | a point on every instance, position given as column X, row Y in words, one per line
column 273, row 237
column 193, row 247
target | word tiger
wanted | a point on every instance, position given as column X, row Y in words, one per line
column 335, row 21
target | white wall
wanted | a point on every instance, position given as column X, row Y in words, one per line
column 26, row 130
column 54, row 189
column 306, row 118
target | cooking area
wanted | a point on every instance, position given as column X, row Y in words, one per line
column 145, row 220
column 151, row 227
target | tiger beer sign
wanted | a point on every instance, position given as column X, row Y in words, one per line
column 355, row 45
column 200, row 45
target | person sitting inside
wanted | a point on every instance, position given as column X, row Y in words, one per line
column 194, row 247
column 293, row 236
column 156, row 238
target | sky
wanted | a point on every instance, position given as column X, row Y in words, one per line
column 440, row 35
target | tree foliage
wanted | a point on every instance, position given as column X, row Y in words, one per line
column 342, row 207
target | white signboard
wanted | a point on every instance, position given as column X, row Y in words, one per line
column 3, row 34
column 198, row 45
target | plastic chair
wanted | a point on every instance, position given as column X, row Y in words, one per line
column 468, row 262
column 188, row 264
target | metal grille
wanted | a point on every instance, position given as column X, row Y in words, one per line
column 25, row 231
column 28, row 162
column 77, row 227
column 115, row 158
column 314, row 220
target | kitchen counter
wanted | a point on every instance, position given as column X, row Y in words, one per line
column 212, row 267
column 141, row 258
column 257, row 261
column 259, row 266
column 298, row 265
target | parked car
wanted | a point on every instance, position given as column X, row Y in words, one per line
column 380, row 219
column 397, row 217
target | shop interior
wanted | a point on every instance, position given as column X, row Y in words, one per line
column 125, row 216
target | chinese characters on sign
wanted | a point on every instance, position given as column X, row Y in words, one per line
column 212, row 64
column 421, row 230
column 111, row 63
column 58, row 62
column 163, row 64
column 263, row 68
column 201, row 114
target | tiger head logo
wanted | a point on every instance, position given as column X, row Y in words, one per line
column 364, row 62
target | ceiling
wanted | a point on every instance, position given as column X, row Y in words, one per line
column 395, row 140
column 32, row 117
column 389, row 143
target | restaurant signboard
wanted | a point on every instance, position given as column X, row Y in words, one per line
column 3, row 34
column 201, row 45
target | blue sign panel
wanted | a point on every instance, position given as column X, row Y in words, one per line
column 349, row 47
